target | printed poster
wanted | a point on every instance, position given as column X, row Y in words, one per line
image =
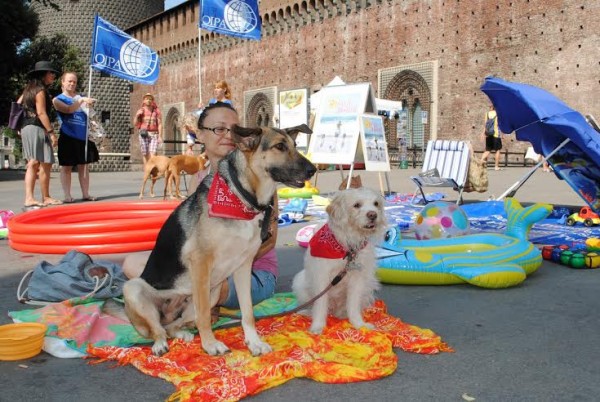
column 293, row 111
column 337, row 129
column 374, row 145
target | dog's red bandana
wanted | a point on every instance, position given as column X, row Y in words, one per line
column 223, row 203
column 323, row 244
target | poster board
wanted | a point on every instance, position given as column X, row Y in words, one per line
column 293, row 111
column 374, row 145
column 336, row 131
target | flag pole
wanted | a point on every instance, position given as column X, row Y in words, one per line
column 87, row 126
column 199, row 65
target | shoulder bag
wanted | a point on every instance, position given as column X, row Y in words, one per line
column 17, row 113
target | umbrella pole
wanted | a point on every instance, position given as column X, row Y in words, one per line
column 512, row 190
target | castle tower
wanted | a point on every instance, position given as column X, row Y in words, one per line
column 76, row 21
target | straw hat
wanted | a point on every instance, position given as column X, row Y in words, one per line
column 43, row 66
column 148, row 95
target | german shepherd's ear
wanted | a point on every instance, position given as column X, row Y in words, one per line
column 247, row 139
column 293, row 131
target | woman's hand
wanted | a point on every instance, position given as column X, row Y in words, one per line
column 53, row 139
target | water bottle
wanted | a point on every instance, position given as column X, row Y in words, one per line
column 403, row 155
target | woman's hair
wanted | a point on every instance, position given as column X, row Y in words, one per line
column 213, row 106
column 32, row 88
column 223, row 85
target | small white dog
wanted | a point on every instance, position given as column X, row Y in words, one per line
column 356, row 222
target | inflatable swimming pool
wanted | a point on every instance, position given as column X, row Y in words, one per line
column 486, row 260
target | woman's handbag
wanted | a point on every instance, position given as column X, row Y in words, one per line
column 144, row 133
column 15, row 120
column 477, row 177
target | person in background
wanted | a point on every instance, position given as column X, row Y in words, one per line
column 214, row 132
column 545, row 165
column 148, row 121
column 493, row 143
column 222, row 93
column 37, row 134
column 73, row 138
column 188, row 126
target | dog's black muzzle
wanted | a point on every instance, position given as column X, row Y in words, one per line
column 295, row 174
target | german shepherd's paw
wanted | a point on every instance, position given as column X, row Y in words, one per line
column 215, row 348
column 258, row 347
column 160, row 347
column 185, row 336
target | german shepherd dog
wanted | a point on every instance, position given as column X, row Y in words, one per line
column 200, row 245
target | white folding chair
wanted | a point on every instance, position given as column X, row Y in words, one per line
column 446, row 164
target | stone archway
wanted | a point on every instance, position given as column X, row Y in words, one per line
column 172, row 132
column 260, row 111
column 412, row 90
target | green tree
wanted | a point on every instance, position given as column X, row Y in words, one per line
column 18, row 24
column 58, row 51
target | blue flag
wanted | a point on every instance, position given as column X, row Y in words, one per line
column 116, row 53
column 231, row 17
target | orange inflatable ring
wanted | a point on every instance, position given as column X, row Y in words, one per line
column 98, row 228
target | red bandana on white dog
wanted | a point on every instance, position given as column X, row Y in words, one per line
column 223, row 203
column 323, row 244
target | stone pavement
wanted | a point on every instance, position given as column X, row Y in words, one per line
column 533, row 342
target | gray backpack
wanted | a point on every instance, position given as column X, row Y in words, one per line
column 490, row 126
column 75, row 275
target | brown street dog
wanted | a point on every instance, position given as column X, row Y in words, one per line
column 213, row 234
column 155, row 168
column 182, row 163
column 355, row 182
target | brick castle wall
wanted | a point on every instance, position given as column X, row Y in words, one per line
column 549, row 43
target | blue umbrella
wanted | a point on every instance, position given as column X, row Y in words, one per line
column 569, row 143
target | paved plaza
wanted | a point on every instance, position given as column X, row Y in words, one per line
column 533, row 342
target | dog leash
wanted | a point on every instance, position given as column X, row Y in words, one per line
column 350, row 264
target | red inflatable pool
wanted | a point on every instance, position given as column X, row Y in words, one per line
column 98, row 228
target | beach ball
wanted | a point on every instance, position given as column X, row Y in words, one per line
column 440, row 220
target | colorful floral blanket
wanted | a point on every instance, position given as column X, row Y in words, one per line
column 341, row 354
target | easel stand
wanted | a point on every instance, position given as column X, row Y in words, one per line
column 347, row 117
column 381, row 189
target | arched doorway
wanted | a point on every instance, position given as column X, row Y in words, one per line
column 412, row 90
column 172, row 132
column 260, row 111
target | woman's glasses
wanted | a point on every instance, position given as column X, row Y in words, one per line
column 217, row 130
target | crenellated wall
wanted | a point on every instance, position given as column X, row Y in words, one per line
column 549, row 43
column 552, row 44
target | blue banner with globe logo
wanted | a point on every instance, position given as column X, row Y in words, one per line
column 116, row 53
column 231, row 17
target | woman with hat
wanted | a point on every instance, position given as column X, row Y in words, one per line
column 37, row 134
column 148, row 120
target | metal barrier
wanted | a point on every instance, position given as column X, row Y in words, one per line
column 414, row 157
